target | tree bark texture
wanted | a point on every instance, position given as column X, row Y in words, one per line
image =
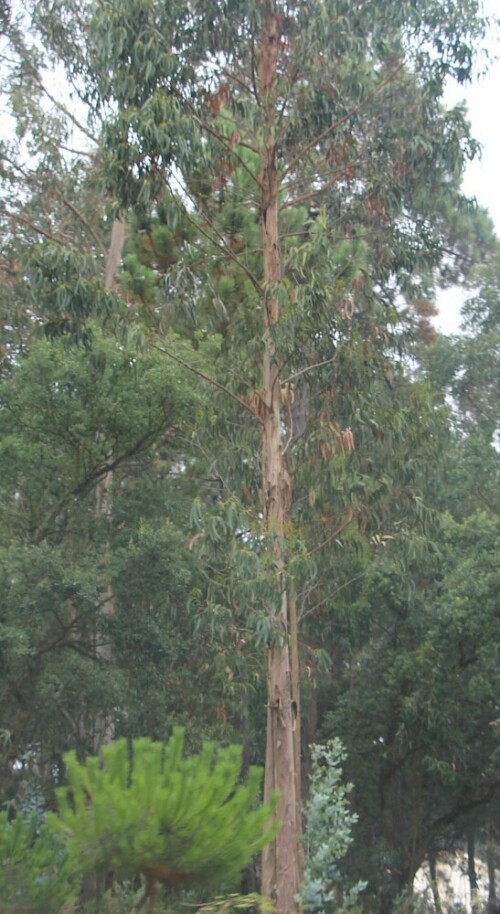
column 491, row 863
column 434, row 883
column 94, row 882
column 471, row 870
column 113, row 259
column 280, row 862
column 104, row 731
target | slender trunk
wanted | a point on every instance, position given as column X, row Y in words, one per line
column 434, row 883
column 114, row 253
column 471, row 870
column 280, row 860
column 104, row 730
column 104, row 725
column 296, row 706
column 94, row 882
column 490, row 860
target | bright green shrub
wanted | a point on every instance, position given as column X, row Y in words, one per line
column 34, row 873
column 143, row 809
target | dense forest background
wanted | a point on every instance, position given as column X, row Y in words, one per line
column 246, row 488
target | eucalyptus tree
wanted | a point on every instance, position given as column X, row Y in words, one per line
column 308, row 146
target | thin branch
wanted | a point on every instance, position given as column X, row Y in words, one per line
column 334, row 534
column 461, row 809
column 239, row 82
column 303, row 371
column 59, row 105
column 226, row 142
column 87, row 225
column 333, row 594
column 74, row 726
column 292, row 79
column 38, row 230
column 347, row 117
column 91, row 480
column 253, row 70
column 221, row 243
column 66, row 203
column 205, row 377
column 291, row 436
column 75, row 152
column 310, row 195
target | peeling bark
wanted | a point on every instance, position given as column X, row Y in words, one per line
column 95, row 882
column 280, row 860
column 104, row 730
column 114, row 253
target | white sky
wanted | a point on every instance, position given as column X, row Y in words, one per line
column 482, row 179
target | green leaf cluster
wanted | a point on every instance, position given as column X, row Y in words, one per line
column 327, row 834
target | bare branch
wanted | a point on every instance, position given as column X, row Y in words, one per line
column 59, row 105
column 310, row 195
column 240, row 82
column 333, row 594
column 226, row 142
column 302, row 371
column 39, row 230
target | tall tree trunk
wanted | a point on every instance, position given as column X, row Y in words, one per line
column 434, row 882
column 94, row 882
column 490, row 860
column 296, row 706
column 280, row 861
column 113, row 259
column 104, row 729
column 104, row 725
column 471, row 870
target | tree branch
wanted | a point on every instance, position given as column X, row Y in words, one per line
column 328, row 130
column 59, row 105
column 239, row 82
column 310, row 195
column 205, row 377
column 87, row 225
column 226, row 142
column 39, row 231
column 333, row 536
column 293, row 377
column 91, row 479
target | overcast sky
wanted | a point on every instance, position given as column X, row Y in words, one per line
column 482, row 179
column 483, row 100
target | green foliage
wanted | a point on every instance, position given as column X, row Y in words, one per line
column 66, row 414
column 145, row 810
column 327, row 834
column 35, row 876
column 69, row 291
